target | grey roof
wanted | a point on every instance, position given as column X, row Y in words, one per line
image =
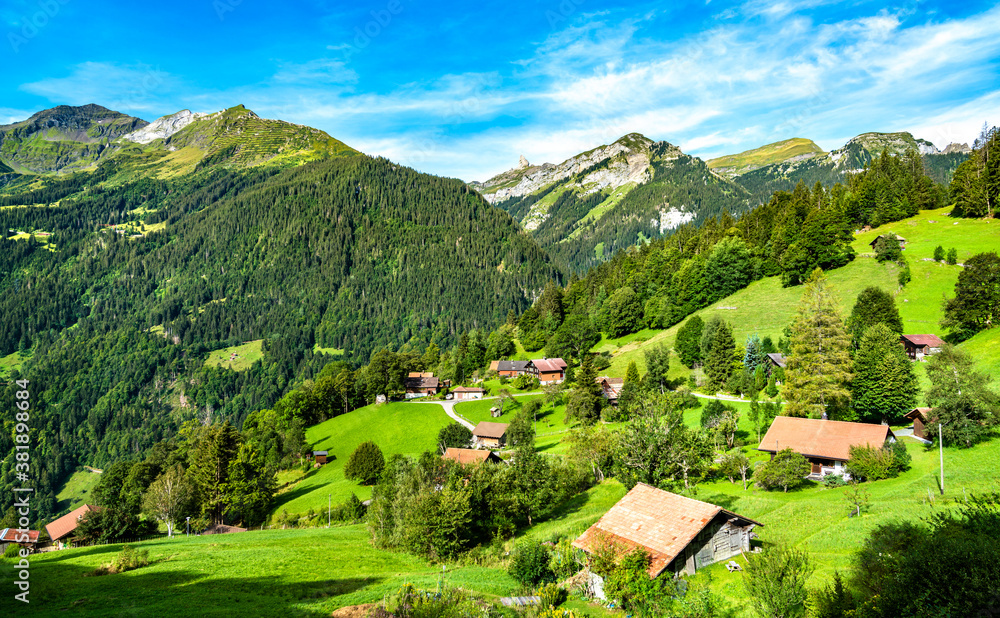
column 315, row 453
column 513, row 365
column 779, row 359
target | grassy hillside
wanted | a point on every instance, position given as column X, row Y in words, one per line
column 238, row 357
column 261, row 573
column 766, row 308
column 778, row 152
column 407, row 428
column 77, row 490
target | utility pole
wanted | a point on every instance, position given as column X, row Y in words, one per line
column 941, row 454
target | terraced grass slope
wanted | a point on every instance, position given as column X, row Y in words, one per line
column 789, row 150
column 407, row 428
column 766, row 308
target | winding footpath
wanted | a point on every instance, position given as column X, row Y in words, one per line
column 449, row 407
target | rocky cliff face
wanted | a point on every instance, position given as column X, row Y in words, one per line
column 164, row 127
column 625, row 161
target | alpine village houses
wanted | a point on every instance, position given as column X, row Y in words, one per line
column 919, row 346
column 489, row 435
column 421, row 385
column 826, row 444
column 547, row 370
column 681, row 534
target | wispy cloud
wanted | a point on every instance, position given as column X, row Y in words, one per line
column 135, row 87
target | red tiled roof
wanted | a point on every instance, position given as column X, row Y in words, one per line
column 549, row 365
column 67, row 523
column 11, row 535
column 818, row 438
column 486, row 429
column 661, row 522
column 466, row 456
column 921, row 340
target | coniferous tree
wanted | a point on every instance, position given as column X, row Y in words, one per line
column 754, row 355
column 976, row 305
column 884, row 387
column 721, row 361
column 819, row 367
column 585, row 400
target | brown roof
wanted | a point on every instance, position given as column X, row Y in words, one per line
column 549, row 365
column 420, row 374
column 422, row 382
column 468, row 389
column 661, row 522
column 898, row 237
column 466, row 456
column 490, row 430
column 494, row 365
column 67, row 523
column 11, row 535
column 921, row 340
column 923, row 413
column 818, row 438
column 778, row 359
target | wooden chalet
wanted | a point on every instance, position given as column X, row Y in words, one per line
column 920, row 418
column 776, row 360
column 468, row 392
column 421, row 385
column 490, row 435
column 611, row 387
column 550, row 370
column 513, row 369
column 319, row 457
column 471, row 456
column 681, row 534
column 899, row 239
column 826, row 444
column 919, row 346
column 61, row 530
column 26, row 539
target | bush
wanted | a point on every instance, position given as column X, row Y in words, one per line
column 939, row 253
column 552, row 595
column 564, row 561
column 630, row 585
column 834, row 480
column 454, row 435
column 127, row 559
column 887, row 248
column 868, row 463
column 529, row 563
column 952, row 257
column 525, row 382
column 787, row 469
column 365, row 464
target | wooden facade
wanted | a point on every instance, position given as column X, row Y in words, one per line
column 725, row 537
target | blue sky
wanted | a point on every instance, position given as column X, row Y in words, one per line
column 462, row 89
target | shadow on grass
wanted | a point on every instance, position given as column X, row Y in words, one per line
column 143, row 592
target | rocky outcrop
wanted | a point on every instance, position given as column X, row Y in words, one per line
column 956, row 147
column 624, row 161
column 164, row 127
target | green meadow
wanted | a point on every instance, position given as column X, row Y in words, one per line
column 246, row 355
column 77, row 490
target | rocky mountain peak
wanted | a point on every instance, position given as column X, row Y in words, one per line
column 164, row 127
column 522, row 163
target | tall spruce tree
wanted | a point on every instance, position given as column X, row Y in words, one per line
column 819, row 367
column 721, row 362
column 754, row 356
column 884, row 387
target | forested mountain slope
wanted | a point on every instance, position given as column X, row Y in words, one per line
column 349, row 252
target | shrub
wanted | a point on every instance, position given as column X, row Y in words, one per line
column 552, row 595
column 12, row 551
column 127, row 559
column 952, row 257
column 833, row 480
column 887, row 248
column 365, row 463
column 564, row 561
column 525, row 382
column 454, row 435
column 529, row 563
column 630, row 585
column 787, row 469
column 938, row 253
column 868, row 463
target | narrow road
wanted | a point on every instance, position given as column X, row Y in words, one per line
column 449, row 407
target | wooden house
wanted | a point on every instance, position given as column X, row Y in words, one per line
column 471, row 456
column 550, row 370
column 319, row 457
column 468, row 392
column 899, row 239
column 776, row 361
column 611, row 388
column 681, row 534
column 826, row 444
column 26, row 539
column 490, row 435
column 421, row 385
column 62, row 529
column 513, row 369
column 919, row 346
column 920, row 418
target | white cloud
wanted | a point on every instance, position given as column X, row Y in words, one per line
column 136, row 88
